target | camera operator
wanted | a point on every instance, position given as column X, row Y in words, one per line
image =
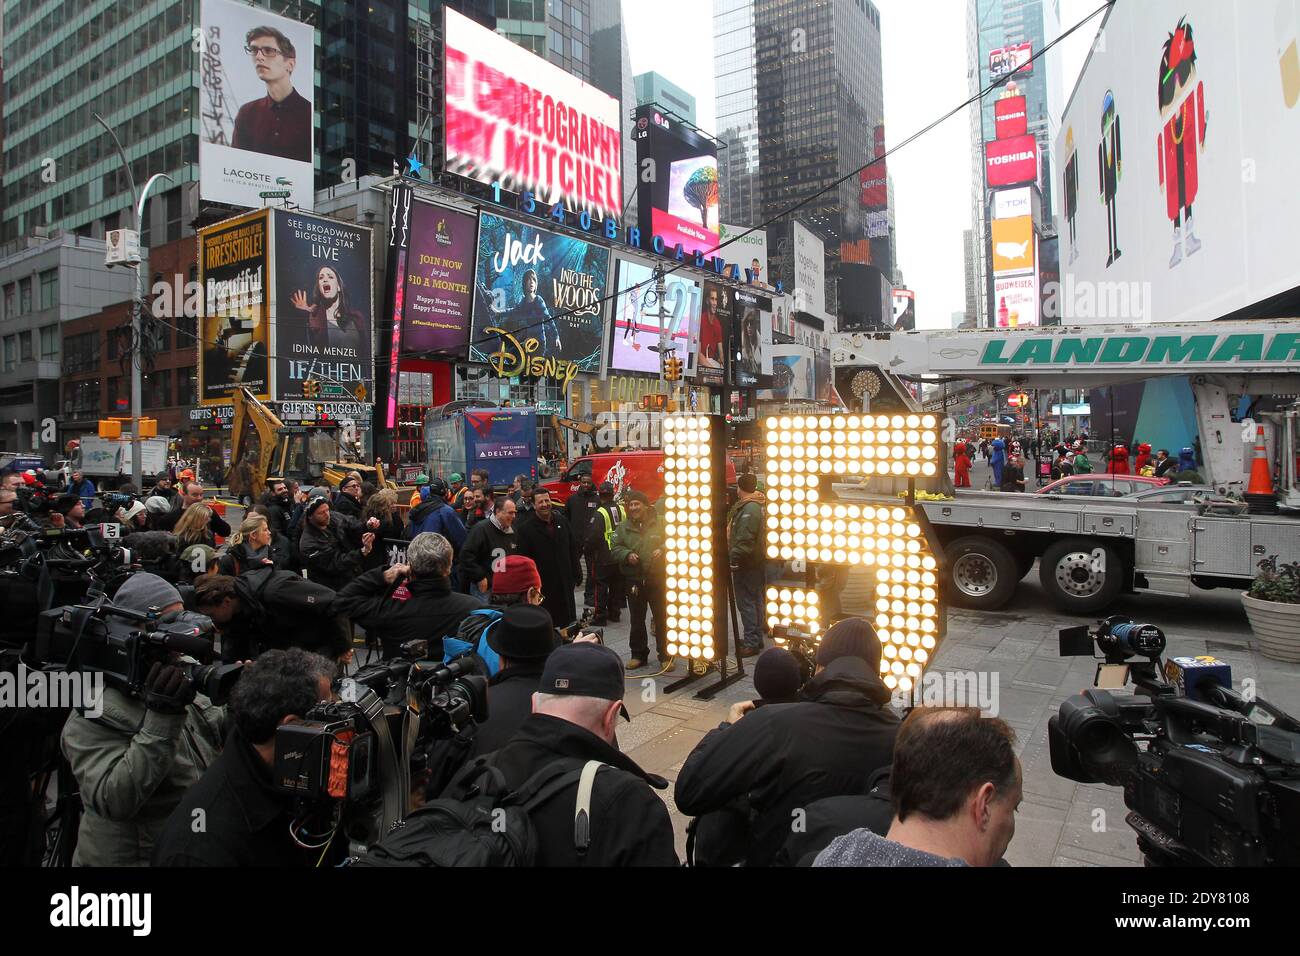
column 955, row 784
column 265, row 608
column 409, row 601
column 574, row 719
column 68, row 512
column 327, row 554
column 785, row 756
column 134, row 761
column 246, row 822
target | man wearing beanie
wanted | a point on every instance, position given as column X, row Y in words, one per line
column 135, row 758
column 746, row 551
column 572, row 727
column 782, row 757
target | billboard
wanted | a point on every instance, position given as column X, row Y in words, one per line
column 513, row 118
column 1011, row 162
column 256, row 121
column 1013, row 246
column 323, row 327
column 637, row 312
column 235, row 325
column 538, row 305
column 747, row 251
column 1011, row 59
column 809, row 271
column 715, row 331
column 794, row 375
column 1013, row 203
column 1201, row 215
column 752, row 344
column 438, row 287
column 1017, row 301
column 677, row 197
column 1010, row 117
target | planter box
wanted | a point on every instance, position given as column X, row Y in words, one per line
column 1276, row 626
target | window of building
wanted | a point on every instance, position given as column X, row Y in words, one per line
column 25, row 346
column 49, row 289
column 11, row 352
column 115, row 393
column 11, row 300
column 81, row 399
column 50, row 343
column 156, row 389
column 187, row 386
column 24, row 295
column 81, row 352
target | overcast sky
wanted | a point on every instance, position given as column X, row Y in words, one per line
column 925, row 77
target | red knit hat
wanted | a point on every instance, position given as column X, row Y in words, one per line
column 518, row 575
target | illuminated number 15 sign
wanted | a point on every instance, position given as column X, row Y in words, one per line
column 805, row 520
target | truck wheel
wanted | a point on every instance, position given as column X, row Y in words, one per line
column 981, row 575
column 1081, row 576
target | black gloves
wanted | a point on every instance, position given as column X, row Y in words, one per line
column 167, row 690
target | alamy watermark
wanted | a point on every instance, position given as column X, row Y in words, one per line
column 1074, row 300
column 980, row 689
column 39, row 690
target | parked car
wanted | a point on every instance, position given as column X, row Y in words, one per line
column 1173, row 494
column 1102, row 486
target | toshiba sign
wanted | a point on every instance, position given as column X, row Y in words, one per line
column 1010, row 118
column 1011, row 162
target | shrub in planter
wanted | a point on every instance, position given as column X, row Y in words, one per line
column 1273, row 607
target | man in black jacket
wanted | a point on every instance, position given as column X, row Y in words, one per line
column 785, row 756
column 191, row 493
column 548, row 540
column 409, row 601
column 246, row 822
column 279, row 505
column 265, row 608
column 486, row 548
column 348, row 500
column 523, row 640
column 580, row 509
column 327, row 554
column 575, row 715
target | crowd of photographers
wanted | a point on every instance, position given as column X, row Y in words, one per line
column 814, row 772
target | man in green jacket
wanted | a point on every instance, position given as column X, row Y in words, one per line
column 745, row 549
column 135, row 760
column 638, row 552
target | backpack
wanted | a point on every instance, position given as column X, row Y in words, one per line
column 450, row 832
column 454, row 646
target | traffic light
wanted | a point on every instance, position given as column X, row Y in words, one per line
column 311, row 388
column 672, row 367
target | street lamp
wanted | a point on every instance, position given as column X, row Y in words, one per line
column 137, row 464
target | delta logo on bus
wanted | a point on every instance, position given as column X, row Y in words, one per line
column 1011, row 162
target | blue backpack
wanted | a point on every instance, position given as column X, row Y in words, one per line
column 454, row 647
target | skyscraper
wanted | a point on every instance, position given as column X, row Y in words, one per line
column 996, row 25
column 820, row 102
column 653, row 88
column 736, row 106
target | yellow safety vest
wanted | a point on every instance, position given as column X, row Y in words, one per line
column 609, row 528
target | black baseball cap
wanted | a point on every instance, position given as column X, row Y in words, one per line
column 584, row 670
column 606, row 488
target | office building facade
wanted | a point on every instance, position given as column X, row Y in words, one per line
column 653, row 88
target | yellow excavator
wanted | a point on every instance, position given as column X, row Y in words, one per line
column 263, row 447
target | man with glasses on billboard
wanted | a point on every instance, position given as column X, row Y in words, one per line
column 278, row 124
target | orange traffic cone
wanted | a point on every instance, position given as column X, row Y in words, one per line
column 1259, row 493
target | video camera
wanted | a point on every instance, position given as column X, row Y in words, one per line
column 379, row 733
column 802, row 645
column 42, row 568
column 122, row 645
column 1218, row 780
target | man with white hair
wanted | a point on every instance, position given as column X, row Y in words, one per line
column 411, row 600
column 605, row 813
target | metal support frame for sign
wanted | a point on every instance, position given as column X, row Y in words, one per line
column 697, row 565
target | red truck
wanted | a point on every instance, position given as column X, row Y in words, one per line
column 625, row 470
